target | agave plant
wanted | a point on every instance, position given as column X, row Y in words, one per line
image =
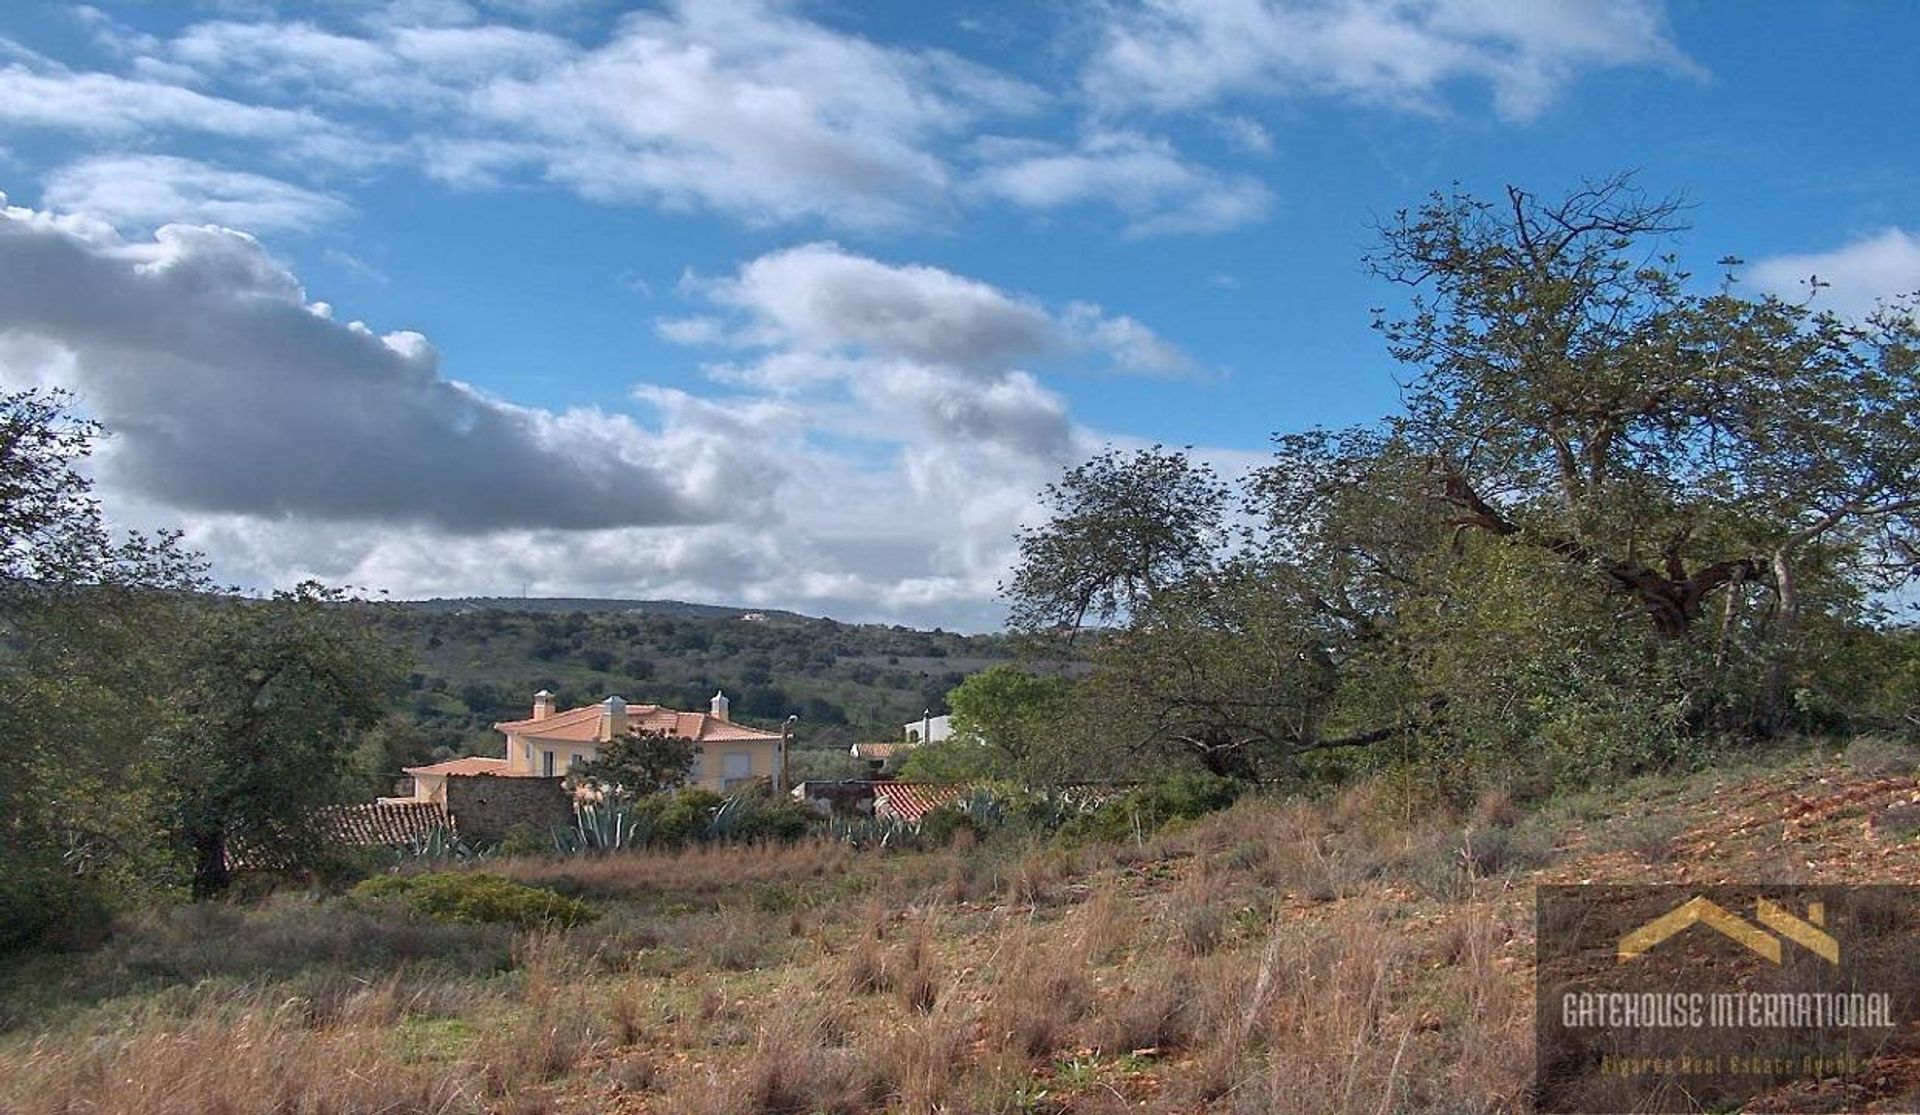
column 441, row 843
column 874, row 832
column 604, row 826
column 727, row 819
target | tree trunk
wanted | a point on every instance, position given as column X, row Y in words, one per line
column 1786, row 623
column 211, row 873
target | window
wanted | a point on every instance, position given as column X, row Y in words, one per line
column 575, row 760
column 739, row 764
column 546, row 763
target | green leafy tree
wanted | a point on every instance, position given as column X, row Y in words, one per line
column 640, row 763
column 261, row 729
column 1007, row 722
column 1123, row 526
column 1576, row 396
column 86, row 644
column 1618, row 515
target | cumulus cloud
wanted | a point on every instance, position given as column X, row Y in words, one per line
column 1856, row 276
column 1184, row 54
column 145, row 191
column 226, row 391
column 1144, row 178
column 869, row 457
column 822, row 300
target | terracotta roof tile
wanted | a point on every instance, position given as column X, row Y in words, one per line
column 880, row 750
column 910, row 801
column 471, row 764
column 384, row 823
column 582, row 725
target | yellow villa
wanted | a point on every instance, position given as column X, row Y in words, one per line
column 727, row 756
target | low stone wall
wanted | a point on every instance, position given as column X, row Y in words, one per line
column 845, row 798
column 485, row 806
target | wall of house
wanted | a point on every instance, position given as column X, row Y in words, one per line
column 520, row 761
column 485, row 806
column 711, row 765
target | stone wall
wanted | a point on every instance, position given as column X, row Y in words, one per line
column 485, row 806
column 844, row 798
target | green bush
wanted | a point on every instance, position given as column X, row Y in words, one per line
column 44, row 905
column 751, row 818
column 469, row 896
column 939, row 826
column 1147, row 809
column 526, row 839
column 680, row 817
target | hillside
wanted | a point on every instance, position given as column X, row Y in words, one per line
column 479, row 660
column 1353, row 955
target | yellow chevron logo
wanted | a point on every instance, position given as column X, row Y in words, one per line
column 1770, row 915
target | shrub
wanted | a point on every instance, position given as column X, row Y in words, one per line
column 679, row 817
column 752, row 818
column 939, row 826
column 1878, row 757
column 43, row 904
column 525, row 839
column 478, row 898
column 1147, row 809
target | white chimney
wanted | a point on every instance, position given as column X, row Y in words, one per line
column 542, row 705
column 719, row 705
column 613, row 718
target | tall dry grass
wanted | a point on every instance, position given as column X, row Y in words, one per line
column 706, row 869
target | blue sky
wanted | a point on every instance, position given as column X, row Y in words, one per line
column 799, row 304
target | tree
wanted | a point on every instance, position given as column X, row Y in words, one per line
column 1123, row 525
column 86, row 645
column 1617, row 514
column 637, row 764
column 1576, row 396
column 1006, row 722
column 262, row 727
column 1573, row 395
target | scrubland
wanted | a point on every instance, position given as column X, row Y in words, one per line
column 1365, row 953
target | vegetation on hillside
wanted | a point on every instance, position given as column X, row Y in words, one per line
column 1362, row 953
column 478, row 665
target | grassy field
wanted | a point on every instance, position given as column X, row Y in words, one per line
column 1363, row 954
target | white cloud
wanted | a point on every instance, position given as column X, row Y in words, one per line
column 1142, row 177
column 1184, row 54
column 1858, row 275
column 823, row 300
column 870, row 460
column 104, row 104
column 146, row 191
column 748, row 110
column 226, row 391
column 738, row 107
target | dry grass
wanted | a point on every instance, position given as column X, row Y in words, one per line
column 1357, row 956
column 703, row 870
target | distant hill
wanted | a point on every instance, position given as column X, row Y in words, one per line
column 459, row 604
column 480, row 659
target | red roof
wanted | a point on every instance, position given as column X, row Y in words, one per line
column 910, row 801
column 388, row 823
column 582, row 725
column 472, row 764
